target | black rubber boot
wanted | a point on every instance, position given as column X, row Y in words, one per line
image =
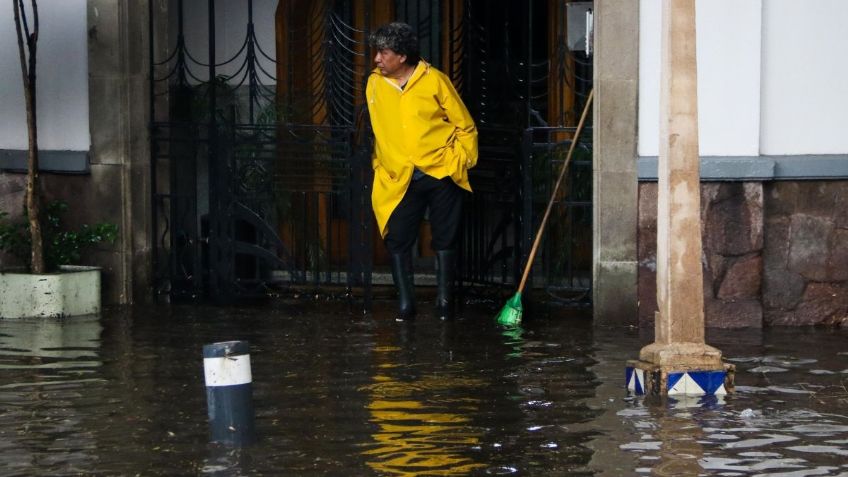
column 445, row 277
column 402, row 275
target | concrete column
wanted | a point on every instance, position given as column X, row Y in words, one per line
column 680, row 280
column 679, row 352
column 614, row 179
column 120, row 154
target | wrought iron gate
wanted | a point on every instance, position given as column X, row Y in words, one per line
column 260, row 165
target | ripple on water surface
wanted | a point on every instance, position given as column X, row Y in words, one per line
column 784, row 421
column 336, row 393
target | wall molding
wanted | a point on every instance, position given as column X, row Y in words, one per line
column 60, row 162
column 759, row 168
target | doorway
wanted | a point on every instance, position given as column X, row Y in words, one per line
column 262, row 168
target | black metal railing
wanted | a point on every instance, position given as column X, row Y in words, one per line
column 563, row 268
column 253, row 192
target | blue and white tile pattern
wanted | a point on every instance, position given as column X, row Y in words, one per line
column 692, row 383
column 697, row 383
column 635, row 378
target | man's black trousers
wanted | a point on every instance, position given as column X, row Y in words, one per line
column 444, row 198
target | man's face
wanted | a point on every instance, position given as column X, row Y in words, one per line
column 390, row 63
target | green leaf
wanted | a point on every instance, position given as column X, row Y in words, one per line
column 61, row 247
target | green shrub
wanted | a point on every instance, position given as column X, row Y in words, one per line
column 61, row 247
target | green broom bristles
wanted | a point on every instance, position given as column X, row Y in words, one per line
column 510, row 314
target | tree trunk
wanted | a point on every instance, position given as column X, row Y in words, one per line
column 33, row 203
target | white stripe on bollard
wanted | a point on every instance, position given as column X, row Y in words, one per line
column 229, row 371
column 229, row 392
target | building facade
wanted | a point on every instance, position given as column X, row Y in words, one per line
column 771, row 109
column 773, row 161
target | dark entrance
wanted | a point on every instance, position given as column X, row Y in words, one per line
column 261, row 167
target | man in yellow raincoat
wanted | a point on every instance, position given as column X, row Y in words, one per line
column 425, row 142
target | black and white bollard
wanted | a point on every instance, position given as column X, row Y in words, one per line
column 229, row 392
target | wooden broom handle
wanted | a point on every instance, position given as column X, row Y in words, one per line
column 538, row 238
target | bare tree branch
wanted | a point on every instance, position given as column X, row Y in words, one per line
column 27, row 51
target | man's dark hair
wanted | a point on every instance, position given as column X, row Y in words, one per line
column 398, row 37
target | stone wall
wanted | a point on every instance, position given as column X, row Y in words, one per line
column 774, row 253
column 806, row 260
column 12, row 190
column 732, row 234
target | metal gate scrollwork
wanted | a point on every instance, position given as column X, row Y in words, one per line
column 260, row 162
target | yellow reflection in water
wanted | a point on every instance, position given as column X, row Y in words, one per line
column 416, row 437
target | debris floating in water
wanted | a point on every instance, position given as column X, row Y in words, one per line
column 768, row 369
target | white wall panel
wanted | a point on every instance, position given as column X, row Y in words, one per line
column 805, row 77
column 728, row 42
column 62, row 77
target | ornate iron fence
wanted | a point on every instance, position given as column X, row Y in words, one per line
column 260, row 167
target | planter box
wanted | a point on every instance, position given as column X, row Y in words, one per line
column 75, row 290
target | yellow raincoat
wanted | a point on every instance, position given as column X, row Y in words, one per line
column 424, row 125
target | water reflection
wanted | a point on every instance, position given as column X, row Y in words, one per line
column 423, row 420
column 51, row 342
column 680, row 451
column 48, row 366
column 339, row 393
column 781, row 422
column 513, row 340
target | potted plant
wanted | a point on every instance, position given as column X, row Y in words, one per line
column 63, row 289
column 49, row 285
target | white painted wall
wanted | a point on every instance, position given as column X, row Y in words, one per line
column 772, row 77
column 805, row 77
column 62, row 78
column 231, row 26
column 728, row 44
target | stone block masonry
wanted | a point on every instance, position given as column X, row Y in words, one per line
column 805, row 261
column 775, row 253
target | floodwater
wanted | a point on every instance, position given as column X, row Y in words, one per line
column 339, row 393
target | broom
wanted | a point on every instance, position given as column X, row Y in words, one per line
column 510, row 314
